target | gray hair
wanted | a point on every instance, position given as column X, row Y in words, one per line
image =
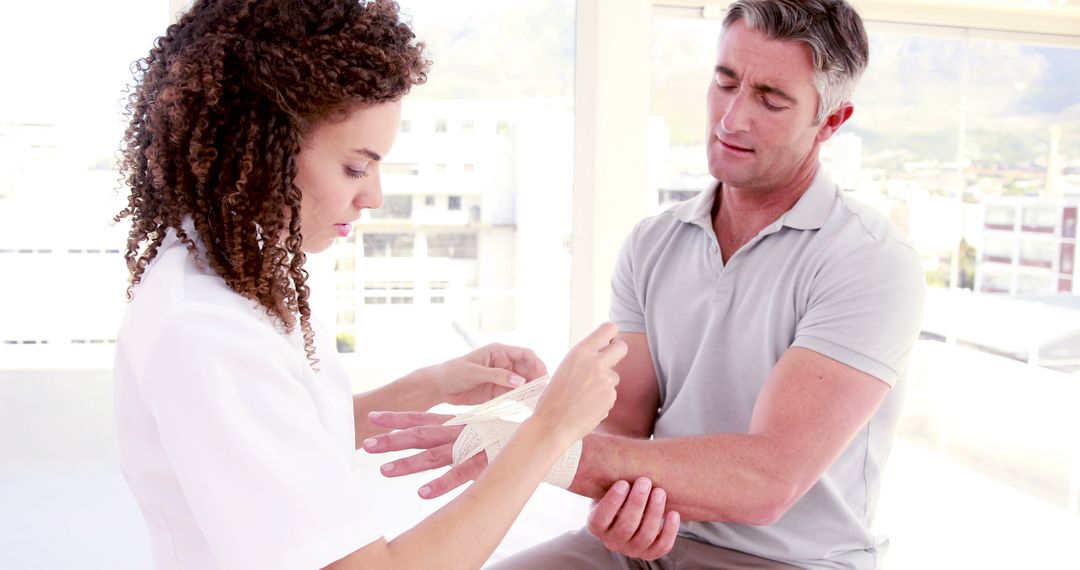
column 832, row 30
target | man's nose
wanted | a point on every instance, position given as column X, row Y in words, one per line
column 736, row 117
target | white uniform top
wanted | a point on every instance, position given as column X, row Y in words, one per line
column 239, row 455
column 830, row 275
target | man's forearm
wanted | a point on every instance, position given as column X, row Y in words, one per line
column 722, row 477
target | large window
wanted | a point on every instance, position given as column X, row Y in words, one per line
column 452, row 245
column 64, row 69
column 388, row 245
column 395, row 207
column 472, row 204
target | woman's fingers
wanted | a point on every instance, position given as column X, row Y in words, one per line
column 613, row 353
column 498, row 376
column 521, row 361
column 600, row 338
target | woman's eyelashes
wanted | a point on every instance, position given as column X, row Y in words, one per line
column 355, row 173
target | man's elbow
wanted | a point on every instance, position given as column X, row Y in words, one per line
column 768, row 512
column 767, row 505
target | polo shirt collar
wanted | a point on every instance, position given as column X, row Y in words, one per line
column 698, row 210
column 809, row 213
column 814, row 206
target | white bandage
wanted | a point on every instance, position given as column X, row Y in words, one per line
column 486, row 430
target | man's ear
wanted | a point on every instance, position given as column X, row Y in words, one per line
column 833, row 122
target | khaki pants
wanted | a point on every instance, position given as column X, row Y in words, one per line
column 580, row 550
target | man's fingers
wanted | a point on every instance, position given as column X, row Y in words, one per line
column 421, row 437
column 426, row 460
column 603, row 511
column 455, row 477
column 666, row 540
column 405, row 420
column 649, row 525
column 628, row 519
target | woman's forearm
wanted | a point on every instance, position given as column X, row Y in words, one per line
column 464, row 533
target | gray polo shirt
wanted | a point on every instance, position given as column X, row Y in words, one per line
column 830, row 275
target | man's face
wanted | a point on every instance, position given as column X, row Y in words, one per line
column 761, row 108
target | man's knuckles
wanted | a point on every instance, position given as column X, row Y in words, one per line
column 436, row 456
column 621, row 533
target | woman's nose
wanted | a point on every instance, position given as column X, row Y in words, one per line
column 370, row 195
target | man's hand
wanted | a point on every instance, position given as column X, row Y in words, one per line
column 485, row 373
column 631, row 521
column 421, row 430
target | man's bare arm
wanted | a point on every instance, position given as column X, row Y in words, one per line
column 808, row 411
column 634, row 413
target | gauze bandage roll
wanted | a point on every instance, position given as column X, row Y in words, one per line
column 488, row 430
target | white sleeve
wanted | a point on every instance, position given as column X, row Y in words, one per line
column 268, row 485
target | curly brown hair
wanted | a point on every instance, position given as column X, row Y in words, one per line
column 216, row 117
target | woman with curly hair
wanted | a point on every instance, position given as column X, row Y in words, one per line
column 256, row 132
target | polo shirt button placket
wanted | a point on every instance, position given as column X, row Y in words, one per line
column 713, row 250
column 717, row 262
column 723, row 284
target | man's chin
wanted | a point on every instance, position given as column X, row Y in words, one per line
column 729, row 175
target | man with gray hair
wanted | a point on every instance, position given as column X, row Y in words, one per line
column 769, row 322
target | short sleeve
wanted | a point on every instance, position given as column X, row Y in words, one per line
column 866, row 310
column 627, row 312
column 268, row 485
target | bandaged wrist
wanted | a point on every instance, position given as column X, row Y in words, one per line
column 486, row 430
column 490, row 436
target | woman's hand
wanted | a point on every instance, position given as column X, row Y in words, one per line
column 582, row 390
column 485, row 373
column 584, row 385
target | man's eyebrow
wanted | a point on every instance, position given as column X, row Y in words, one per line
column 368, row 153
column 727, row 71
column 761, row 87
column 769, row 89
